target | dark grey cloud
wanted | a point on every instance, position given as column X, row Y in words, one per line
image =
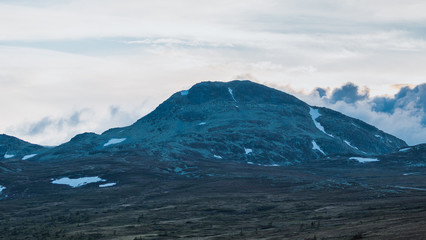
column 384, row 104
column 321, row 92
column 403, row 115
column 407, row 99
column 349, row 93
column 413, row 98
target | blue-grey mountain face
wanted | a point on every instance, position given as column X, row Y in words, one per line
column 12, row 148
column 237, row 121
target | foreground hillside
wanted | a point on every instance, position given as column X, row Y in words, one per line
column 335, row 199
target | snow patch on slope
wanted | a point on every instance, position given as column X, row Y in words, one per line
column 248, row 150
column 408, row 174
column 217, row 156
column 2, row 188
column 314, row 115
column 29, row 156
column 232, row 95
column 107, row 185
column 364, row 160
column 411, row 188
column 8, row 155
column 114, row 141
column 316, row 147
column 350, row 145
column 184, row 92
column 77, row 182
column 265, row 165
column 404, row 149
column 272, row 165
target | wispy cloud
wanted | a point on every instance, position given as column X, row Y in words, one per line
column 39, row 127
column 171, row 42
column 56, row 124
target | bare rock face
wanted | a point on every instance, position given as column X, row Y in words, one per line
column 236, row 121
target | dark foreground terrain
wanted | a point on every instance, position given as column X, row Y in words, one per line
column 329, row 199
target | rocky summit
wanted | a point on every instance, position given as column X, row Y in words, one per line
column 235, row 121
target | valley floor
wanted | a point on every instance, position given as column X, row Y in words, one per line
column 216, row 208
column 323, row 199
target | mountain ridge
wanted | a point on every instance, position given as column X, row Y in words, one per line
column 11, row 147
column 237, row 120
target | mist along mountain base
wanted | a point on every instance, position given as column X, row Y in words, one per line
column 233, row 160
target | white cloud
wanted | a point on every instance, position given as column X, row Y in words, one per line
column 161, row 47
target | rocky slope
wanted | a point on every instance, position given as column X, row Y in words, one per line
column 14, row 148
column 239, row 121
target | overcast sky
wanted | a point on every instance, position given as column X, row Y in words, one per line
column 68, row 67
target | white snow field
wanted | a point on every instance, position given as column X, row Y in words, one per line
column 77, row 182
column 314, row 115
column 364, row 160
column 232, row 95
column 29, row 156
column 114, row 141
column 107, row 185
column 8, row 155
column 316, row 147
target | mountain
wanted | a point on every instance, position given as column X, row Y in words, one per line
column 12, row 147
column 239, row 121
column 233, row 160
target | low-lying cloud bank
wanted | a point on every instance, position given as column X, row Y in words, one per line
column 53, row 130
column 403, row 115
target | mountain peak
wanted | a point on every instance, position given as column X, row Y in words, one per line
column 238, row 121
column 236, row 91
column 247, row 121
